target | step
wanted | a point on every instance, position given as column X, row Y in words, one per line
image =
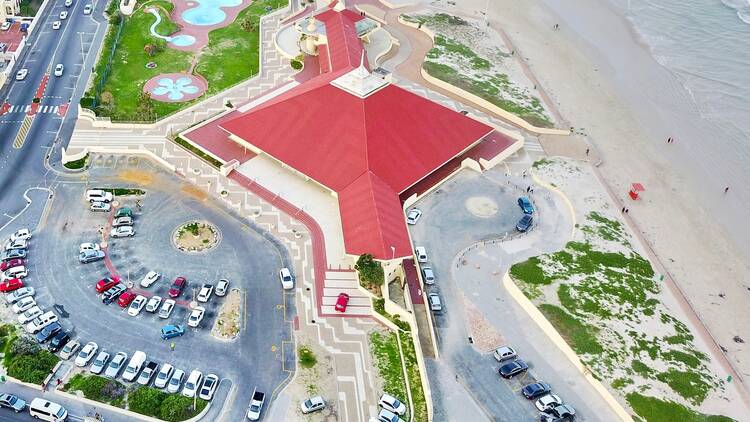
column 350, row 310
column 344, row 284
column 334, row 291
column 341, row 275
column 353, row 301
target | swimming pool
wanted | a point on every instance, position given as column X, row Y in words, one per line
column 208, row 12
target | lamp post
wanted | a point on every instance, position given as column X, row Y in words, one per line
column 393, row 252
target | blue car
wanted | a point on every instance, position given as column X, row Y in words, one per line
column 525, row 223
column 525, row 205
column 171, row 331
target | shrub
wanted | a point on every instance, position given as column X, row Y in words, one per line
column 77, row 164
column 32, row 368
column 370, row 271
column 296, row 65
column 307, row 358
column 24, row 346
column 146, row 401
column 179, row 408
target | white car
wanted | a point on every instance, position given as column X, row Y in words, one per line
column 29, row 315
column 205, row 293
column 386, row 415
column 392, row 404
column 56, row 24
column 21, row 74
column 88, row 246
column 164, row 375
column 100, row 206
column 68, row 3
column 87, row 9
column 150, row 278
column 6, row 26
column 59, row 68
column 86, row 354
column 193, row 382
column 287, row 281
column 19, row 294
column 63, row 15
column 24, row 234
column 209, row 387
column 122, row 231
column 504, row 353
column 99, row 363
column 196, row 316
column 115, row 365
column 24, row 304
column 153, row 304
column 99, row 195
column 16, row 244
column 548, row 401
column 123, row 221
column 313, row 404
column 69, row 349
column 222, row 287
column 166, row 308
column 176, row 381
column 40, row 322
column 413, row 216
column 136, row 305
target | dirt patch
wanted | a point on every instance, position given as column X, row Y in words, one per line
column 136, row 177
column 227, row 325
column 196, row 236
column 319, row 379
column 481, row 206
column 194, row 191
column 486, row 337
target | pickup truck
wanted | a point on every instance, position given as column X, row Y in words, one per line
column 256, row 405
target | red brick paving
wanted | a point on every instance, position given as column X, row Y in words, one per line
column 12, row 37
column 412, row 279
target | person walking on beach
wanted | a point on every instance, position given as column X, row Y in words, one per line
column 726, row 189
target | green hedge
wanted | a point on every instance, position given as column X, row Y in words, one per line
column 169, row 407
column 77, row 164
column 97, row 388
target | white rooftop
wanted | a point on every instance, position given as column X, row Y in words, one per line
column 360, row 81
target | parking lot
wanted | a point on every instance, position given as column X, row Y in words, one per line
column 249, row 259
column 468, row 230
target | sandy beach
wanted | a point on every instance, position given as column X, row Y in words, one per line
column 604, row 83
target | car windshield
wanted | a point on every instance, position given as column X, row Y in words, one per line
column 174, row 381
column 308, row 403
column 254, row 408
column 12, row 400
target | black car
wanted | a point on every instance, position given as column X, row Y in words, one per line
column 58, row 341
column 111, row 294
column 48, row 331
column 524, row 223
column 513, row 368
column 535, row 390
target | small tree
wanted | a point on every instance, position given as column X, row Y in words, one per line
column 145, row 109
column 248, row 24
column 370, row 271
column 149, row 49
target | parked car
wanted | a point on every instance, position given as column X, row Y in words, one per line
column 13, row 253
column 49, row 331
column 421, row 254
column 15, row 272
column 58, row 341
column 134, row 366
column 171, row 331
column 413, row 216
column 525, row 223
column 12, row 402
column 513, row 368
column 166, row 308
column 164, row 375
column 19, row 294
column 153, row 304
column 525, row 204
column 150, row 278
column 205, row 293
column 88, row 246
column 29, row 314
column 100, row 362
column 15, row 262
column 386, row 415
column 70, row 349
column 193, row 382
column 89, row 256
column 176, row 381
column 87, row 9
column 392, row 404
column 10, row 285
column 113, row 293
column 209, row 387
column 504, row 353
column 222, row 287
column 195, row 318
column 115, row 365
column 21, row 74
column 178, row 285
column 22, row 233
column 24, row 304
column 436, row 305
column 149, row 370
column 313, row 404
column 122, row 231
column 38, row 323
column 56, row 24
column 136, row 305
column 548, row 401
column 341, row 302
column 287, row 281
column 256, row 405
column 428, row 276
column 98, row 195
column 68, row 3
column 122, row 221
column 559, row 413
column 100, row 206
column 106, row 284
column 535, row 390
column 86, row 354
column 16, row 244
column 125, row 299
column 124, row 212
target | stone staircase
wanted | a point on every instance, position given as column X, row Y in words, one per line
column 337, row 282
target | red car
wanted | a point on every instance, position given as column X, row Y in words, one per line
column 178, row 286
column 125, row 299
column 106, row 283
column 341, row 302
column 10, row 285
column 15, row 262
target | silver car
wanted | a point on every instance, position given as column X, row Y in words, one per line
column 122, row 231
column 428, row 275
column 176, row 381
column 436, row 304
column 222, row 287
column 99, row 363
column 122, row 221
column 116, row 365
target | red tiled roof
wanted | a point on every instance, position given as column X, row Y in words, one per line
column 344, row 47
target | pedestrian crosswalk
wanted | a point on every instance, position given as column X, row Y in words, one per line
column 27, row 107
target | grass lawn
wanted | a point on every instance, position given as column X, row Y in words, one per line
column 30, row 7
column 384, row 347
column 77, row 164
column 656, row 410
column 97, row 388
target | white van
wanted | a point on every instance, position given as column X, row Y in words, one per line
column 47, row 410
column 16, row 272
column 40, row 322
column 98, row 195
column 134, row 366
column 421, row 254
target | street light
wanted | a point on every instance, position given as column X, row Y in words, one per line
column 393, row 252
